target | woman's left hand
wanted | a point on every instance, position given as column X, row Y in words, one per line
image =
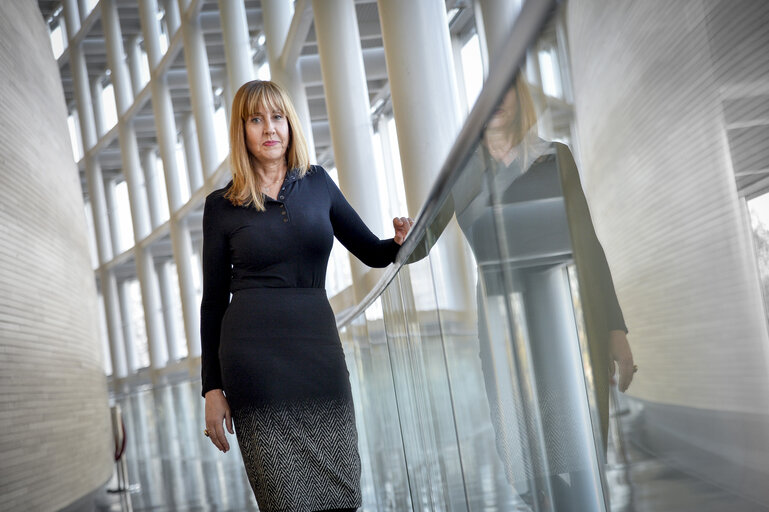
column 402, row 226
column 620, row 353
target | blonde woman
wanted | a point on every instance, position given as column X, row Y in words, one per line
column 272, row 361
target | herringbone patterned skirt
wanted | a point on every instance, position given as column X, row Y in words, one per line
column 288, row 387
column 301, row 456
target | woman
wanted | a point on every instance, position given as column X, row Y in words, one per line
column 272, row 361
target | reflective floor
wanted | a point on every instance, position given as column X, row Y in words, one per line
column 173, row 467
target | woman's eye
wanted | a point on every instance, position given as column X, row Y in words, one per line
column 255, row 119
column 277, row 116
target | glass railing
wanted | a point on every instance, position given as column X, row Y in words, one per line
column 601, row 184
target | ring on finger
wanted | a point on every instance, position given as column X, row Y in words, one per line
column 206, row 433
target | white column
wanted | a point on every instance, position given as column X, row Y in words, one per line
column 149, row 166
column 135, row 64
column 167, row 301
column 276, row 20
column 497, row 17
column 153, row 308
column 98, row 107
column 166, row 137
column 201, row 96
column 191, row 153
column 132, row 170
column 112, row 308
column 88, row 134
column 95, row 184
column 114, row 216
column 83, row 8
column 425, row 106
column 124, row 297
column 237, row 47
column 423, row 89
column 173, row 22
column 344, row 82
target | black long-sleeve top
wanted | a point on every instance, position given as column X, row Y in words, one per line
column 285, row 246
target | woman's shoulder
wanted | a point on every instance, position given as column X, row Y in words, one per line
column 216, row 197
column 315, row 174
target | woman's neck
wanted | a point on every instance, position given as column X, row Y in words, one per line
column 500, row 145
column 271, row 172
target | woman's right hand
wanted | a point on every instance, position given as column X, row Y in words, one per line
column 218, row 411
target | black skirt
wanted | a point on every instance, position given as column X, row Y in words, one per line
column 288, row 388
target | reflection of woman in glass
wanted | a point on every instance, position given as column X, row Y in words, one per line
column 522, row 209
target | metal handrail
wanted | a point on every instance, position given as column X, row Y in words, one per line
column 528, row 25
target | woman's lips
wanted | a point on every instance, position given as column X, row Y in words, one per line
column 271, row 143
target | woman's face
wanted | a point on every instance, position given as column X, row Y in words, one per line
column 506, row 111
column 267, row 135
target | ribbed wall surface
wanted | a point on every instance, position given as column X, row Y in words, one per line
column 54, row 418
column 650, row 91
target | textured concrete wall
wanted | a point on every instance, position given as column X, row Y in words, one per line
column 54, row 418
column 649, row 87
column 654, row 84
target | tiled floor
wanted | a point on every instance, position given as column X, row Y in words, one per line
column 173, row 467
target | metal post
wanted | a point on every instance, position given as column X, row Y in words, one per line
column 344, row 82
column 132, row 170
column 201, row 96
column 237, row 47
column 276, row 20
column 166, row 137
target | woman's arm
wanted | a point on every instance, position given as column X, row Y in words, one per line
column 350, row 229
column 217, row 273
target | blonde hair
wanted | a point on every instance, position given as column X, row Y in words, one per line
column 525, row 115
column 250, row 98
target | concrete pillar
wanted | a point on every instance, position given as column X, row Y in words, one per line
column 153, row 309
column 389, row 164
column 167, row 300
column 83, row 8
column 172, row 19
column 124, row 298
column 166, row 136
column 276, row 20
column 112, row 309
column 98, row 108
column 423, row 89
column 237, row 47
column 95, row 185
column 149, row 166
column 425, row 106
column 201, row 96
column 135, row 64
column 192, row 154
column 132, row 170
column 344, row 82
column 497, row 17
column 114, row 217
column 88, row 134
